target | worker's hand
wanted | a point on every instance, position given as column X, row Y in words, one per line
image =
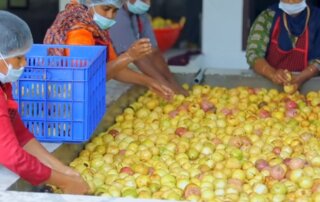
column 295, row 84
column 68, row 171
column 161, row 90
column 281, row 77
column 74, row 185
column 139, row 49
column 68, row 184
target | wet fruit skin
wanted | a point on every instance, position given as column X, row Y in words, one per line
column 237, row 144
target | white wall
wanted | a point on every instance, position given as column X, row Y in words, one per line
column 222, row 34
column 62, row 4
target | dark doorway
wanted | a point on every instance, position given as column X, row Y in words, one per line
column 38, row 14
column 252, row 8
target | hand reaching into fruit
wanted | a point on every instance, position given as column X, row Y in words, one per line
column 281, row 76
column 161, row 90
column 293, row 85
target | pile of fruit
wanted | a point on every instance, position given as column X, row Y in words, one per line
column 161, row 23
column 218, row 144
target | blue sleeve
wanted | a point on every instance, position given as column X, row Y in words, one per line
column 122, row 33
column 314, row 34
column 148, row 30
column 125, row 32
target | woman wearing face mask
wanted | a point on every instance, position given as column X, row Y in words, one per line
column 19, row 150
column 87, row 23
column 286, row 38
column 132, row 24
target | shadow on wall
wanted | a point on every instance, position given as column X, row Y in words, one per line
column 39, row 14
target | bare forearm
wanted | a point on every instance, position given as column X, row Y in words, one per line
column 129, row 76
column 161, row 63
column 34, row 148
column 307, row 74
column 155, row 66
column 262, row 67
column 118, row 65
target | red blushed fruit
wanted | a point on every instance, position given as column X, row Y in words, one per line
column 191, row 190
column 276, row 150
column 114, row 133
column 122, row 152
column 216, row 141
column 261, row 164
column 253, row 90
column 127, row 170
column 286, row 161
column 200, row 176
column 235, row 183
column 257, row 90
column 258, row 132
column 235, row 141
column 151, row 171
column 291, row 113
column 246, row 141
column 291, row 105
column 173, row 113
column 181, row 131
column 264, row 114
column 316, row 186
column 207, row 106
column 277, row 172
column 184, row 107
column 226, row 111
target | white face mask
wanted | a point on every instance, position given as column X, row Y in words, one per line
column 292, row 9
column 12, row 74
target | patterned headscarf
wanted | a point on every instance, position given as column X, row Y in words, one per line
column 75, row 16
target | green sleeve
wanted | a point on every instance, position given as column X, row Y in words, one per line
column 259, row 36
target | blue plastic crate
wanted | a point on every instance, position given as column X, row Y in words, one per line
column 62, row 99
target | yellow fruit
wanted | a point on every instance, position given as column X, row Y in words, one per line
column 289, row 89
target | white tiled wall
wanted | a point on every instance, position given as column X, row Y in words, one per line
column 222, row 34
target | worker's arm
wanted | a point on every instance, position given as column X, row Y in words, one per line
column 305, row 75
column 277, row 76
column 14, row 157
column 34, row 148
column 155, row 66
column 129, row 76
column 68, row 184
column 115, row 64
column 256, row 51
column 32, row 162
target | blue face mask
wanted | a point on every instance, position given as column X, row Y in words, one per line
column 139, row 7
column 292, row 9
column 103, row 22
column 12, row 74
